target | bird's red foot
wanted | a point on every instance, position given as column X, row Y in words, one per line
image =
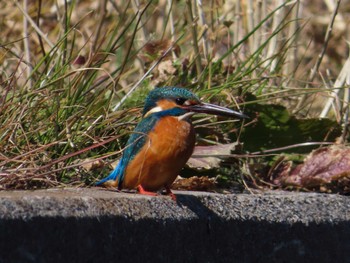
column 170, row 193
column 142, row 191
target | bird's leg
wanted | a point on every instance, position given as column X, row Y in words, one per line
column 170, row 193
column 142, row 191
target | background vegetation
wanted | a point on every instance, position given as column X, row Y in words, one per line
column 74, row 74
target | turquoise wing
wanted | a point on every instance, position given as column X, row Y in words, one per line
column 135, row 143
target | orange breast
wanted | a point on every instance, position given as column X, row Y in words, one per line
column 164, row 154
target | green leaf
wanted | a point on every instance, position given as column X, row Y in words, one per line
column 275, row 127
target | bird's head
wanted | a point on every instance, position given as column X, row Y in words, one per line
column 179, row 101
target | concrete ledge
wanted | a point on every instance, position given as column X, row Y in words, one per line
column 95, row 225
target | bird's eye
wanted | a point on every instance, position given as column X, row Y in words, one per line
column 180, row 101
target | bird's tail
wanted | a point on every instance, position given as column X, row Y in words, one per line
column 113, row 176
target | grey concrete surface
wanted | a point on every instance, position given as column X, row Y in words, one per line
column 97, row 225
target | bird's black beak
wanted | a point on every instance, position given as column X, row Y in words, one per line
column 216, row 110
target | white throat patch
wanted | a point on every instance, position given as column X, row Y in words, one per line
column 183, row 117
column 153, row 110
column 186, row 116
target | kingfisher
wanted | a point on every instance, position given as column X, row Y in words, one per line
column 162, row 142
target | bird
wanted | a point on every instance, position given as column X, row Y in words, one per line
column 162, row 142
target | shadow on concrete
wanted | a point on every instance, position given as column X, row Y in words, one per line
column 206, row 237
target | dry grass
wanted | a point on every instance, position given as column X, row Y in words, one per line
column 71, row 70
